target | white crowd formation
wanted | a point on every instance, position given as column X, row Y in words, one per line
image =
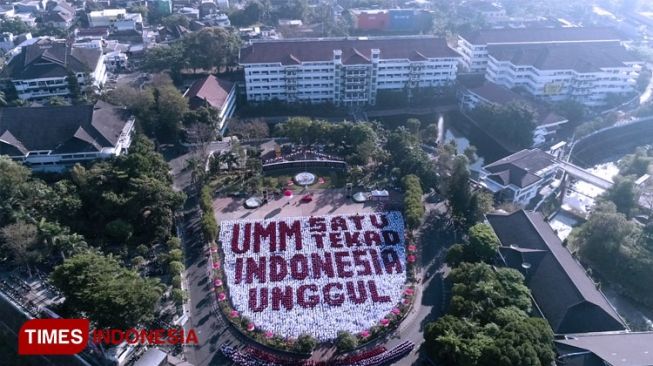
column 353, row 300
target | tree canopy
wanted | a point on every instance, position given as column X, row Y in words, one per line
column 488, row 322
column 98, row 287
column 513, row 123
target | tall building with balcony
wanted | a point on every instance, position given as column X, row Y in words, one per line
column 344, row 71
column 585, row 72
column 41, row 69
column 473, row 46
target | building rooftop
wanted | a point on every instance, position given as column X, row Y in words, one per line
column 627, row 349
column 567, row 297
column 209, row 90
column 580, row 57
column 48, row 58
column 62, row 129
column 541, row 35
column 519, row 169
column 354, row 50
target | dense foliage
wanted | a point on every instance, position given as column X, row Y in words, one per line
column 413, row 206
column 488, row 322
column 408, row 157
column 482, row 246
column 98, row 287
column 618, row 249
column 512, row 123
column 355, row 141
column 467, row 206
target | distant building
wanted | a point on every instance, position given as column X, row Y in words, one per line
column 115, row 19
column 213, row 93
column 473, row 45
column 41, row 69
column 345, row 71
column 565, row 295
column 547, row 121
column 59, row 14
column 53, row 138
column 391, row 20
column 490, row 12
column 586, row 72
column 518, row 177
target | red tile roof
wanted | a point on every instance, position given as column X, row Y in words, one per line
column 353, row 50
column 209, row 90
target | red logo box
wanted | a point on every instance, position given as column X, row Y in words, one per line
column 53, row 336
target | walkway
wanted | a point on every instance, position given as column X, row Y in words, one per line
column 584, row 175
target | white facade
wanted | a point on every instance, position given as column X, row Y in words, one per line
column 344, row 84
column 117, row 19
column 474, row 56
column 47, row 161
column 58, row 86
column 473, row 47
column 589, row 88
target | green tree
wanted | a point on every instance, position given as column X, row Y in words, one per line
column 211, row 47
column 514, row 122
column 171, row 107
column 483, row 243
column 13, row 178
column 478, row 289
column 413, row 125
column 20, row 241
column 430, row 134
column 305, row 344
column 98, row 287
column 623, row 194
column 345, row 341
column 572, row 110
column 521, row 342
column 413, row 206
column 73, row 86
column 170, row 57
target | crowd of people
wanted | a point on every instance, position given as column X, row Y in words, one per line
column 318, row 304
column 360, row 356
column 302, row 155
column 374, row 357
column 387, row 357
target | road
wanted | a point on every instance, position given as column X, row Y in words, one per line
column 213, row 330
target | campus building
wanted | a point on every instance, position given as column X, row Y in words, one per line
column 564, row 294
column 588, row 72
column 519, row 177
column 53, row 138
column 473, row 46
column 41, row 69
column 215, row 93
column 345, row 71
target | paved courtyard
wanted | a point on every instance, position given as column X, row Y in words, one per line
column 325, row 202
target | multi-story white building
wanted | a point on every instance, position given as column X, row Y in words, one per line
column 473, row 46
column 116, row 19
column 53, row 138
column 585, row 72
column 344, row 71
column 41, row 69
